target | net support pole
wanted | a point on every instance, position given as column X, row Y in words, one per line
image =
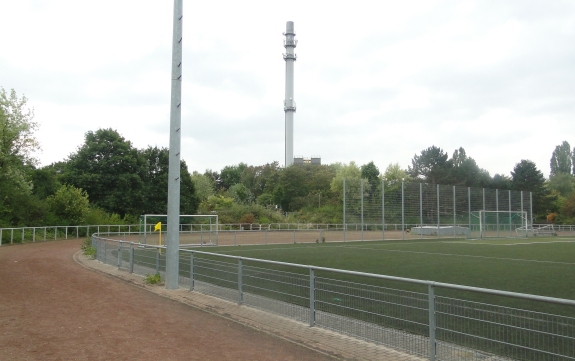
column 420, row 210
column 383, row 209
column 361, row 186
column 344, row 224
column 402, row 210
column 173, row 244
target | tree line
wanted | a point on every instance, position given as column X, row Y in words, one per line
column 108, row 180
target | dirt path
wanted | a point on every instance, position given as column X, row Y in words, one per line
column 51, row 308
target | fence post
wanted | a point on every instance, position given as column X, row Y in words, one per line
column 432, row 344
column 361, row 186
column 402, row 210
column 420, row 210
column 383, row 209
column 240, row 292
column 157, row 260
column 44, row 234
column 438, row 218
column 311, row 297
column 66, row 233
column 131, row 257
column 344, row 227
column 191, row 271
column 235, row 235
column 0, row 236
column 454, row 214
column 293, row 237
column 119, row 254
column 33, row 235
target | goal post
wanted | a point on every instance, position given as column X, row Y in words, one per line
column 195, row 229
column 497, row 224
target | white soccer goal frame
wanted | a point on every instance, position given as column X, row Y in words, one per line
column 211, row 216
column 522, row 231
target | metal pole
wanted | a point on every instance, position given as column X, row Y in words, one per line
column 454, row 213
column 420, row 210
column 510, row 213
column 191, row 271
column 483, row 215
column 240, row 291
column 361, row 192
column 402, row 211
column 383, row 209
column 173, row 244
column 131, row 257
column 344, row 224
column 311, row 298
column 531, row 209
column 438, row 220
column 497, row 209
column 432, row 343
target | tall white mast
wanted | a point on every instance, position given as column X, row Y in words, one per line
column 289, row 102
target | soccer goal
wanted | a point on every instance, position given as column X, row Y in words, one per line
column 497, row 224
column 195, row 229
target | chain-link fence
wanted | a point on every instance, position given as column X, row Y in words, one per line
column 407, row 210
column 438, row 321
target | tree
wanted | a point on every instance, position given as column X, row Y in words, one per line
column 231, row 175
column 432, row 166
column 241, row 194
column 17, row 142
column 370, row 172
column 69, row 204
column 561, row 160
column 466, row 172
column 394, row 175
column 155, row 177
column 562, row 183
column 110, row 170
column 352, row 175
column 526, row 177
column 17, row 145
column 293, row 183
column 204, row 186
column 501, row 181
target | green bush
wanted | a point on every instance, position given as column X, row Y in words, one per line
column 87, row 248
column 153, row 279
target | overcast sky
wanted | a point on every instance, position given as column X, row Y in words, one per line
column 374, row 80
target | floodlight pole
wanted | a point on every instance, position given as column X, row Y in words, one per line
column 173, row 233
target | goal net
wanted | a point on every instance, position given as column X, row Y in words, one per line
column 497, row 224
column 194, row 229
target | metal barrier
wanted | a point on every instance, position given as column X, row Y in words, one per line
column 435, row 320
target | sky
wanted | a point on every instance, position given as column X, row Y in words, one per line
column 374, row 80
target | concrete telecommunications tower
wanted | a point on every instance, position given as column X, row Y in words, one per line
column 289, row 103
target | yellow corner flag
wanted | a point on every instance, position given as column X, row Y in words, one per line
column 158, row 227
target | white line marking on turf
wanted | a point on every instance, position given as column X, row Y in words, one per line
column 510, row 244
column 461, row 255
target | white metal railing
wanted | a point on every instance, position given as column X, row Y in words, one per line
column 33, row 234
column 426, row 322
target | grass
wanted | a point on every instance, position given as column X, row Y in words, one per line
column 539, row 266
column 536, row 266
